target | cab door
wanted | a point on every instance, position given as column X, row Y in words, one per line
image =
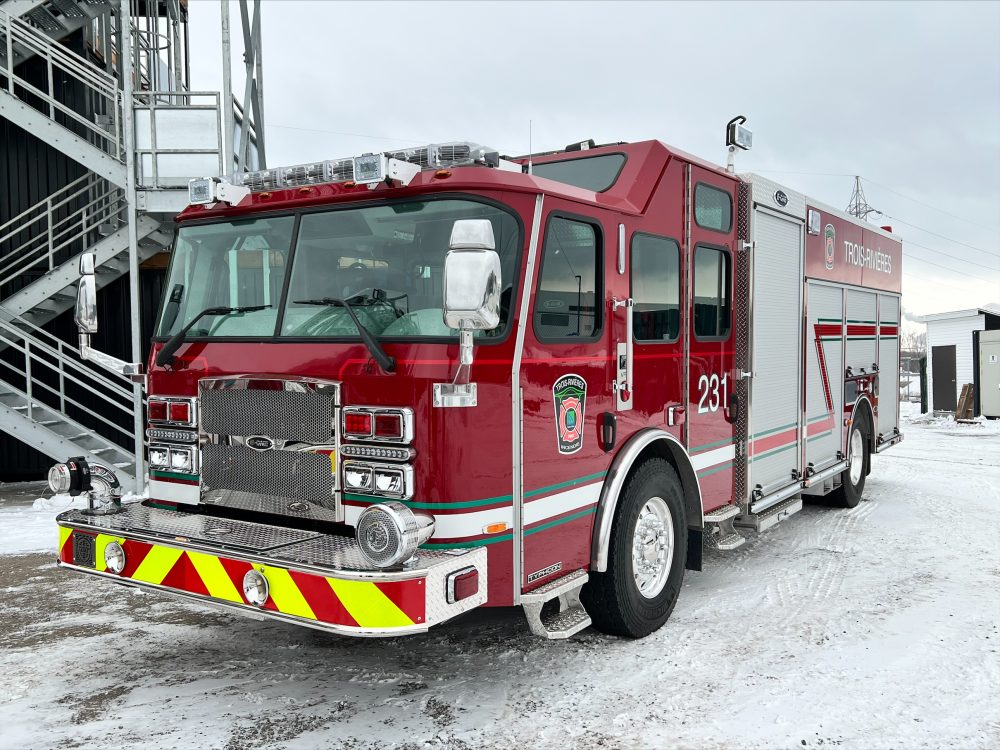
column 567, row 372
column 709, row 326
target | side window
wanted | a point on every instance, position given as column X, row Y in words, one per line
column 711, row 292
column 656, row 288
column 567, row 304
column 713, row 208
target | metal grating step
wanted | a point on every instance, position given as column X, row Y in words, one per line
column 556, row 588
column 726, row 543
column 773, row 515
column 561, row 625
column 723, row 513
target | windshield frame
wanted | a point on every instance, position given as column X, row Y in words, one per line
column 276, row 337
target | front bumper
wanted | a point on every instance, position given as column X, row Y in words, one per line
column 314, row 579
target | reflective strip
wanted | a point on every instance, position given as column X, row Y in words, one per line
column 64, row 535
column 156, row 565
column 214, row 576
column 368, row 605
column 286, row 595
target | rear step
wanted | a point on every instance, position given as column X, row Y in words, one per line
column 571, row 617
column 722, row 534
column 770, row 516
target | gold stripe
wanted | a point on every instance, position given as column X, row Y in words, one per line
column 214, row 576
column 368, row 605
column 156, row 564
column 286, row 595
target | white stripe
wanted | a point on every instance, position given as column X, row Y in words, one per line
column 562, row 502
column 713, row 458
column 174, row 493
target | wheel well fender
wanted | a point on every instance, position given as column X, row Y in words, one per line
column 644, row 444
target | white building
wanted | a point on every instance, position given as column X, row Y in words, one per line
column 950, row 357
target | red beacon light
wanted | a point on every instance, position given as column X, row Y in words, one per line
column 157, row 410
column 179, row 411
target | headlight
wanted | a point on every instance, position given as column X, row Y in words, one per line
column 255, row 587
column 159, row 457
column 114, row 557
column 389, row 481
column 357, row 478
column 180, row 459
column 389, row 533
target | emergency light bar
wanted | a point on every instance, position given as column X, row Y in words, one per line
column 366, row 169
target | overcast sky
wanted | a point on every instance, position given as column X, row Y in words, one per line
column 905, row 94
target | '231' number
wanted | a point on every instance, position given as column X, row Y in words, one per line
column 708, row 387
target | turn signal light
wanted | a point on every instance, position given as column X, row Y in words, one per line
column 357, row 424
column 157, row 411
column 179, row 411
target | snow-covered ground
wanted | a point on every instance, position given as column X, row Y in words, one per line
column 877, row 627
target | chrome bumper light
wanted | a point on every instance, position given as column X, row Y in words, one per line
column 114, row 557
column 255, row 588
column 389, row 533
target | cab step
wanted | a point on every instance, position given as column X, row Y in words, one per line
column 571, row 617
column 770, row 516
column 721, row 533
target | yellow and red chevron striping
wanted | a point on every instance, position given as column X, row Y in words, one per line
column 382, row 605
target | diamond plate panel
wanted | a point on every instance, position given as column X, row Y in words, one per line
column 744, row 264
column 225, row 533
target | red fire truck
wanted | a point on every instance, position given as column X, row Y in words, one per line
column 388, row 389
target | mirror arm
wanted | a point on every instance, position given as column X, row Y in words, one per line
column 131, row 370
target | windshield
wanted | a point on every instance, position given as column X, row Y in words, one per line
column 386, row 262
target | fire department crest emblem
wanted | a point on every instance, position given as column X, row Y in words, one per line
column 569, row 396
column 829, row 245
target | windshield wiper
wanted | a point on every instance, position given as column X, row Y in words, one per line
column 386, row 362
column 166, row 354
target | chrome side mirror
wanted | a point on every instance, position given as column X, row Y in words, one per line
column 471, row 300
column 86, row 297
column 472, row 277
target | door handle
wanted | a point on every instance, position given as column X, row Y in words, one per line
column 675, row 416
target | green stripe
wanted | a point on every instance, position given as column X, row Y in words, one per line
column 886, row 336
column 714, row 469
column 830, row 338
column 173, row 475
column 561, row 485
column 477, row 503
column 776, row 429
column 773, row 452
column 822, row 416
column 159, row 506
column 716, row 444
column 432, row 506
column 869, row 322
column 829, row 320
column 559, row 521
column 820, row 435
column 861, row 338
column 467, row 545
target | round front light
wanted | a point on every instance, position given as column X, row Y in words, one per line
column 114, row 557
column 389, row 533
column 59, row 479
column 255, row 587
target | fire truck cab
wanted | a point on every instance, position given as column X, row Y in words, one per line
column 389, row 389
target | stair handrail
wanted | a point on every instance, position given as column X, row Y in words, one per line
column 14, row 31
column 99, row 202
column 57, row 360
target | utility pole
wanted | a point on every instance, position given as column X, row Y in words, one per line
column 858, row 204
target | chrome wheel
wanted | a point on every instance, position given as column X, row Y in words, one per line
column 857, row 460
column 652, row 547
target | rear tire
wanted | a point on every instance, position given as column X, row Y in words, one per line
column 852, row 479
column 648, row 547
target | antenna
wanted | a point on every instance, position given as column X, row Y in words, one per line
column 858, row 204
column 529, row 146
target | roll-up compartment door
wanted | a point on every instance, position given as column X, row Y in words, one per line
column 775, row 411
column 888, row 363
column 824, row 347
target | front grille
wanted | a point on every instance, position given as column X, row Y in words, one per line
column 301, row 416
column 292, row 475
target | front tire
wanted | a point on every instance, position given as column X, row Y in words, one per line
column 852, row 479
column 648, row 547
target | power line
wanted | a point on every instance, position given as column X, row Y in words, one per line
column 938, row 265
column 928, row 205
column 941, row 236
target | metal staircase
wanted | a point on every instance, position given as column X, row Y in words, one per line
column 121, row 208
